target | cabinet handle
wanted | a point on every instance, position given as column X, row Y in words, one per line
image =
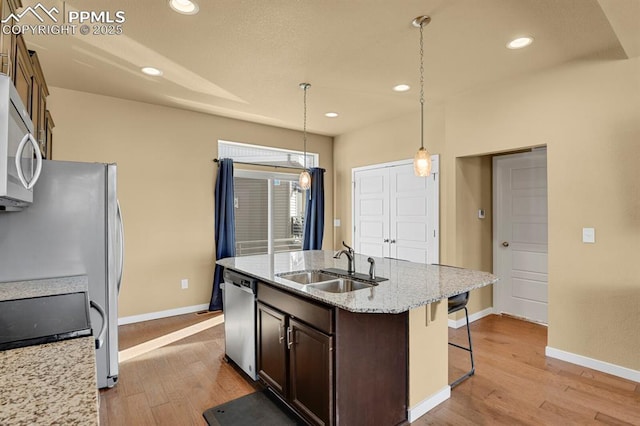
column 280, row 334
column 289, row 338
column 393, row 241
column 386, row 240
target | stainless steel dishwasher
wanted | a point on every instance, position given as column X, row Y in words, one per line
column 239, row 299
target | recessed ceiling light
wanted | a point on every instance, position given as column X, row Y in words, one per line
column 186, row 7
column 519, row 42
column 155, row 72
column 401, row 88
column 331, row 114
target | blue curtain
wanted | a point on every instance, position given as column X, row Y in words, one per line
column 314, row 215
column 225, row 231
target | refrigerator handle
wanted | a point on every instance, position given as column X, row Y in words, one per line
column 28, row 138
column 121, row 251
column 103, row 329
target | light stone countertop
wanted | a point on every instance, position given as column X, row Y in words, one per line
column 52, row 383
column 410, row 285
column 43, row 287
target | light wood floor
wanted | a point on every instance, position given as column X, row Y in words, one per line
column 514, row 384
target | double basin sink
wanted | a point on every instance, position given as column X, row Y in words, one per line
column 328, row 281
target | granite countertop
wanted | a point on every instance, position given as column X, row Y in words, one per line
column 52, row 383
column 409, row 284
column 43, row 287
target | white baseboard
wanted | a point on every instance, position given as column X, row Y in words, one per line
column 424, row 406
column 162, row 314
column 473, row 317
column 594, row 364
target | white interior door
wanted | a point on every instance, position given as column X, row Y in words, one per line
column 520, row 234
column 410, row 215
column 396, row 212
column 371, row 212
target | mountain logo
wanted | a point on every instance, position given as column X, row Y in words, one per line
column 38, row 10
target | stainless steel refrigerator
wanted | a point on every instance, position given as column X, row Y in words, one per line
column 73, row 227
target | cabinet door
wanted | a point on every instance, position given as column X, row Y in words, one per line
column 7, row 41
column 272, row 361
column 49, row 125
column 311, row 373
column 23, row 74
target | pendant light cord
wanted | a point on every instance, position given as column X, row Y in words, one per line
column 304, row 128
column 421, row 87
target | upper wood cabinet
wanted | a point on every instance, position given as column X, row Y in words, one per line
column 39, row 94
column 8, row 41
column 23, row 74
column 49, row 125
column 23, row 66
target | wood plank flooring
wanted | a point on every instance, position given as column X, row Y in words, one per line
column 514, row 384
column 174, row 384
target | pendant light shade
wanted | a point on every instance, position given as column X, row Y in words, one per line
column 422, row 160
column 422, row 163
column 305, row 178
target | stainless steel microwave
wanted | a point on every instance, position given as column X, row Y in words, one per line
column 20, row 158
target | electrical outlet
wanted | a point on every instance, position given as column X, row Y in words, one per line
column 185, row 283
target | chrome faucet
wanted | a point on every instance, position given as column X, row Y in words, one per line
column 351, row 268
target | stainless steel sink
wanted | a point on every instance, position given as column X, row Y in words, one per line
column 324, row 281
column 308, row 277
column 341, row 285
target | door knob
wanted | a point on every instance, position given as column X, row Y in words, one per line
column 505, row 244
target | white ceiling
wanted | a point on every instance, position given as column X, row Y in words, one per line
column 245, row 58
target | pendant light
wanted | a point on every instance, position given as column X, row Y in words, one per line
column 422, row 160
column 305, row 177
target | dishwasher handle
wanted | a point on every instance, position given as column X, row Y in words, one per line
column 241, row 287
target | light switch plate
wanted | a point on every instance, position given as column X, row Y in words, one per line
column 481, row 214
column 588, row 235
column 336, row 223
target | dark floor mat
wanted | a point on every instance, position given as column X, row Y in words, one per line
column 260, row 408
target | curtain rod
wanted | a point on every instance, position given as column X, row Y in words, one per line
column 215, row 160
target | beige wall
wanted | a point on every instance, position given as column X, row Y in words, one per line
column 588, row 115
column 165, row 186
column 474, row 236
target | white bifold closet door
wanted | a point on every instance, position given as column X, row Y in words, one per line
column 396, row 212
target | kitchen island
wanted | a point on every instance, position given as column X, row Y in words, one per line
column 377, row 355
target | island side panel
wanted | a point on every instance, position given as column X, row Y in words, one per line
column 428, row 353
column 371, row 368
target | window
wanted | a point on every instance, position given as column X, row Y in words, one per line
column 269, row 206
column 269, row 210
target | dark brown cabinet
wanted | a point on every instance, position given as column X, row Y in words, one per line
column 332, row 366
column 272, row 352
column 295, row 358
column 311, row 372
